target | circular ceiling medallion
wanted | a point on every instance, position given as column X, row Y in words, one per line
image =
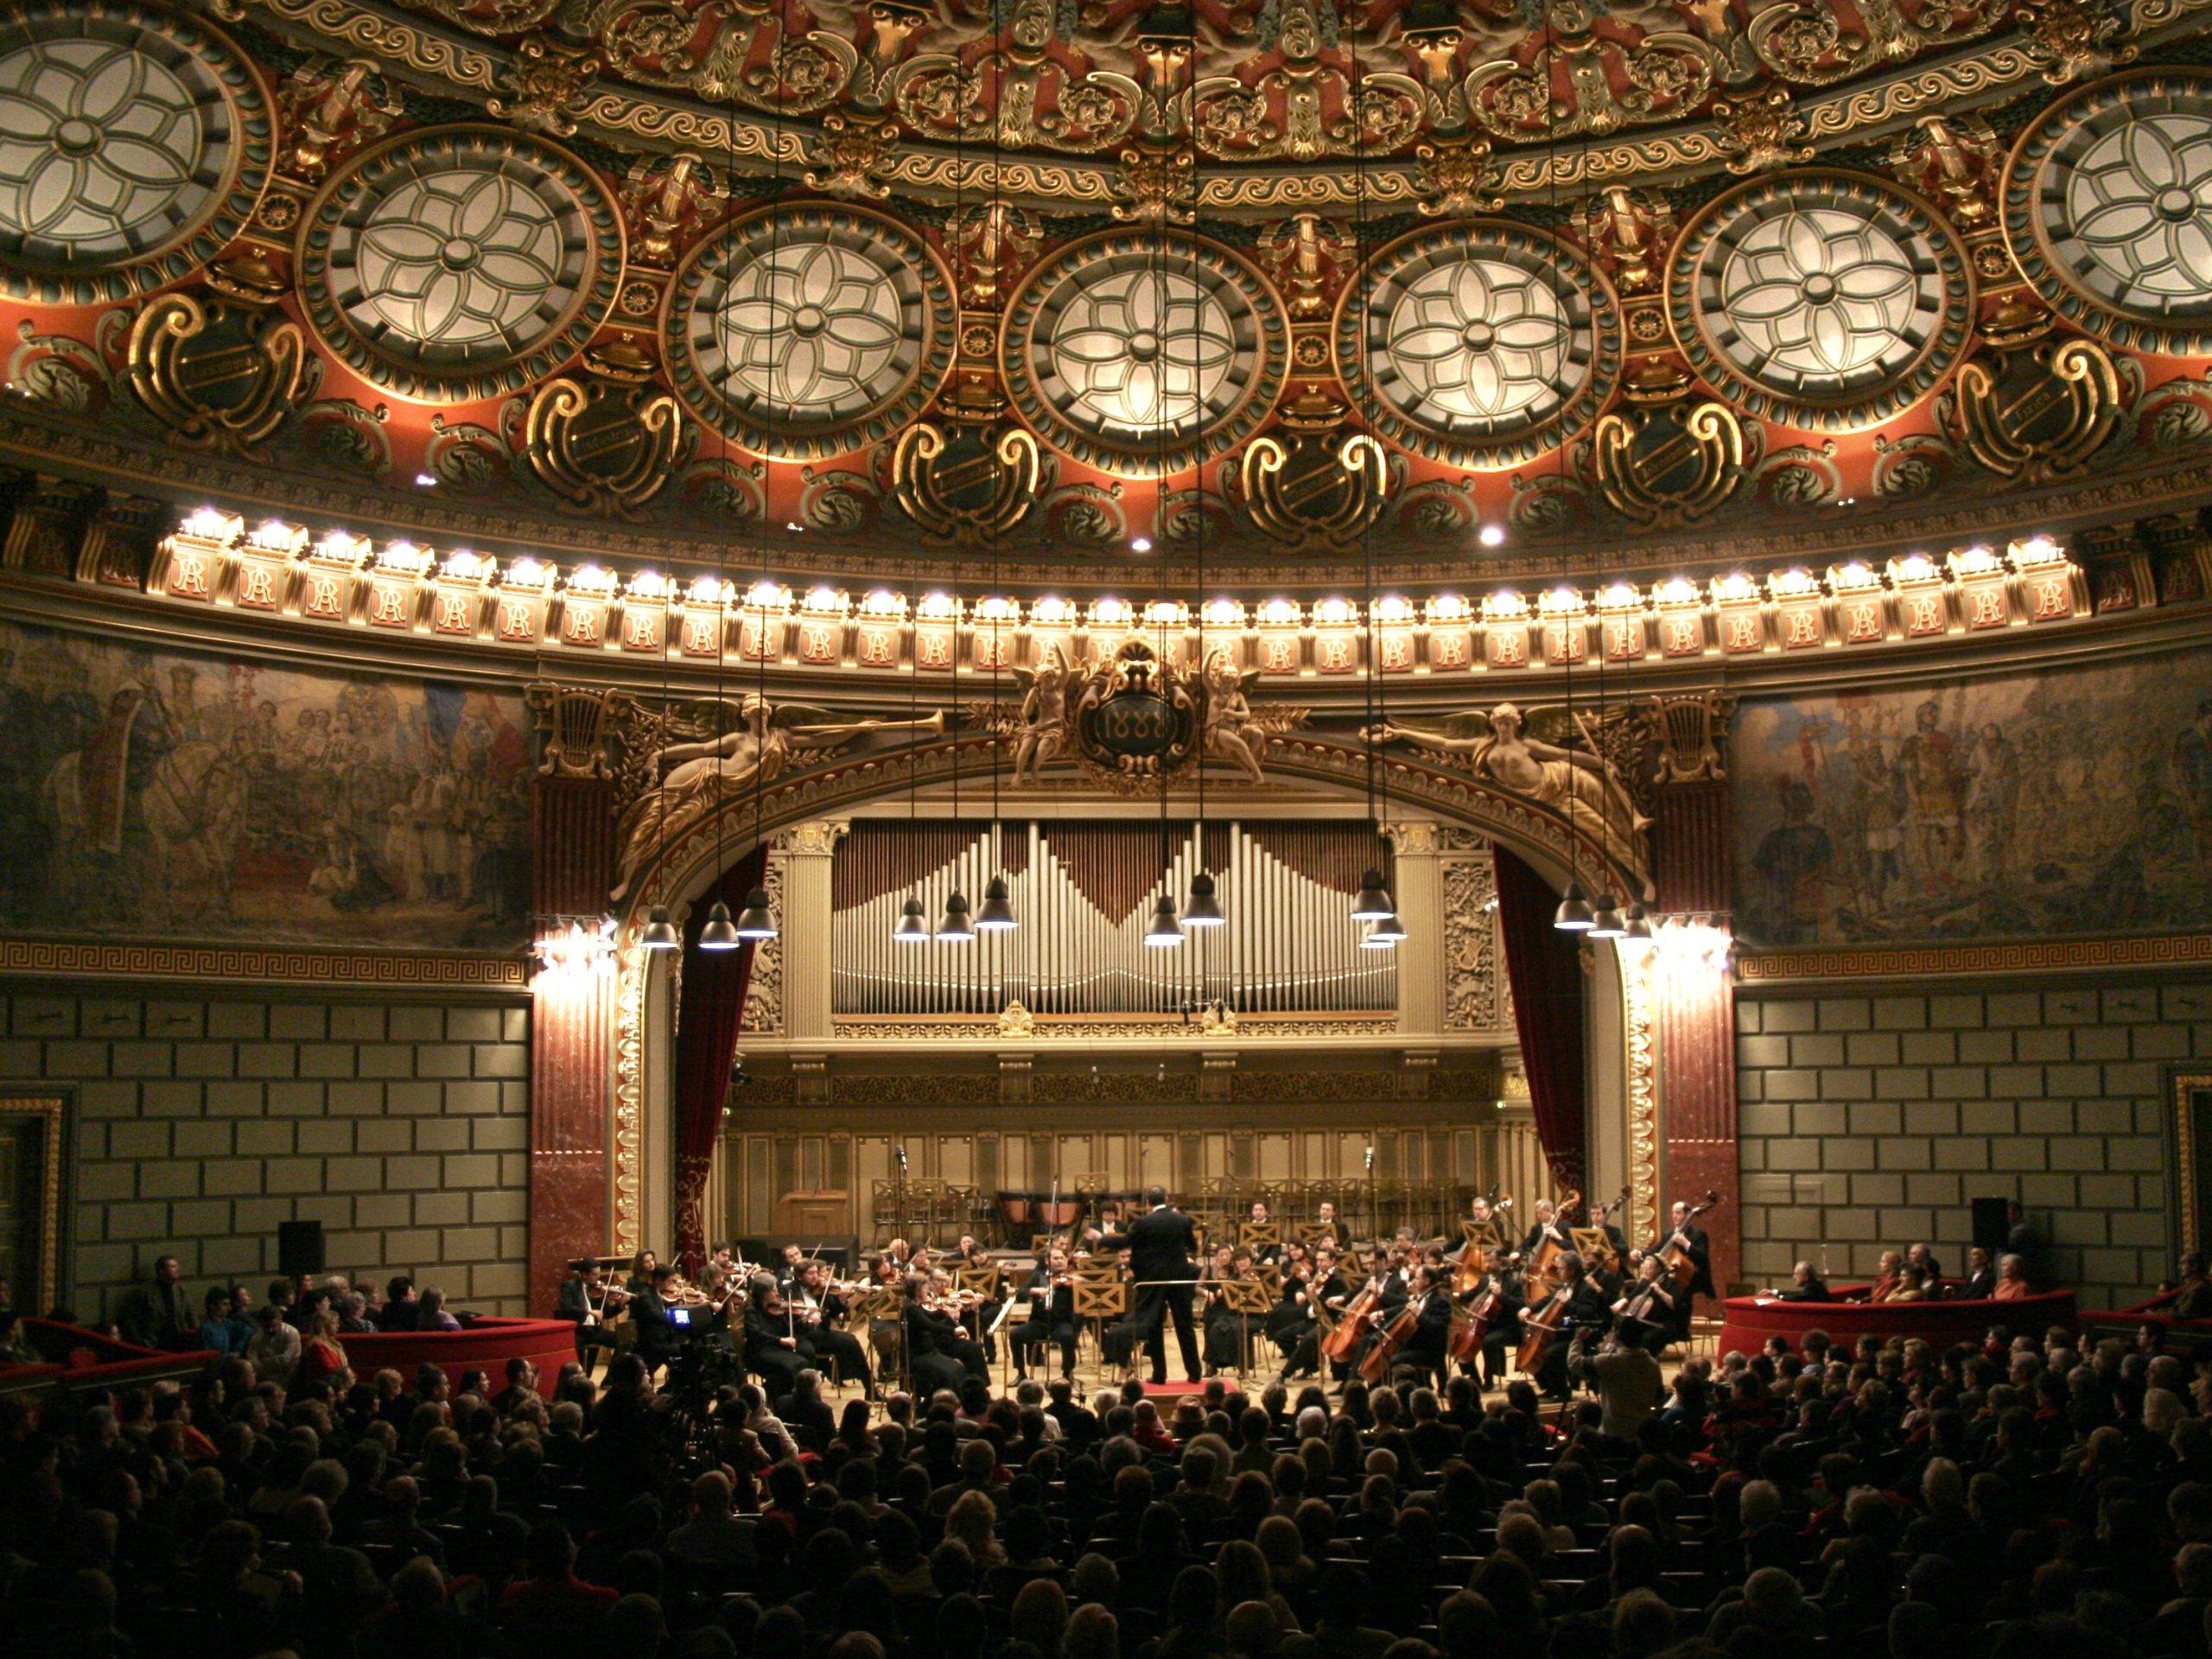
column 1144, row 354
column 809, row 331
column 134, row 144
column 460, row 262
column 1479, row 344
column 2108, row 209
column 1824, row 300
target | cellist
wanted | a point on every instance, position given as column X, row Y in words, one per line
column 1299, row 1335
column 1429, row 1300
column 1497, row 1296
column 1575, row 1309
column 1386, row 1290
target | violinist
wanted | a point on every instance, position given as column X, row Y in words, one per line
column 772, row 1347
column 821, row 1309
column 982, row 1313
column 1294, row 1324
column 1325, row 1219
column 587, row 1301
column 787, row 1271
column 1261, row 1217
column 640, row 1281
column 710, row 1309
column 1052, row 1315
column 658, row 1337
column 937, row 1356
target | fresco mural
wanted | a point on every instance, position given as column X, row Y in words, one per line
column 2074, row 801
column 159, row 795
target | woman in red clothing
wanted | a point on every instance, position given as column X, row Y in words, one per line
column 322, row 1356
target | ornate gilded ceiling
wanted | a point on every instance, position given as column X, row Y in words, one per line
column 1277, row 284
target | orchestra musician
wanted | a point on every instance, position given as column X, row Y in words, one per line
column 1389, row 1288
column 1545, row 1225
column 1479, row 1212
column 1287, row 1319
column 709, row 1309
column 1504, row 1330
column 982, row 1312
column 1654, row 1314
column 1052, row 1315
column 821, row 1307
column 937, row 1356
column 640, row 1281
column 1226, row 1347
column 1582, row 1314
column 588, row 1302
column 1683, row 1231
column 1430, row 1297
column 771, row 1350
column 1324, row 1216
column 1261, row 1217
column 1326, row 1288
column 1160, row 1243
column 658, row 1337
column 787, row 1270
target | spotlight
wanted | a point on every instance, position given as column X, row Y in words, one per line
column 1163, row 932
column 911, row 929
column 425, row 482
column 1492, row 536
column 660, row 933
column 1204, row 909
column 1574, row 914
column 1606, row 919
column 954, row 928
column 997, row 914
column 1141, row 545
column 1374, row 901
column 756, row 920
column 720, row 933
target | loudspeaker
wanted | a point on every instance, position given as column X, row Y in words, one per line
column 299, row 1247
column 1991, row 1224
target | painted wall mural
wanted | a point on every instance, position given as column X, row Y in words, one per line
column 163, row 795
column 2075, row 801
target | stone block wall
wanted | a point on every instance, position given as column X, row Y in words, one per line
column 200, row 1121
column 1869, row 1122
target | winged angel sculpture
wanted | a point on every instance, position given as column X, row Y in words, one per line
column 1579, row 777
column 681, row 763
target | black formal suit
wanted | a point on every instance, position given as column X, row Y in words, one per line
column 766, row 1357
column 658, row 1337
column 1543, row 1229
column 937, row 1356
column 1815, row 1289
column 1052, row 1319
column 1978, row 1287
column 585, row 1306
column 1161, row 1244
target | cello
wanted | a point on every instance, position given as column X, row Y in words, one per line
column 1355, row 1322
column 1544, row 1326
column 1468, row 1335
column 1388, row 1341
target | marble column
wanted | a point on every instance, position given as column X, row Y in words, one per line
column 1694, row 995
column 1418, row 887
column 806, row 850
column 572, row 1024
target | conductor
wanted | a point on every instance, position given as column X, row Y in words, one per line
column 1160, row 1243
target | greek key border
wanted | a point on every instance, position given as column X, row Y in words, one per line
column 394, row 969
column 2021, row 956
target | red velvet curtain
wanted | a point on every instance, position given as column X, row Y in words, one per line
column 1545, row 968
column 707, row 1014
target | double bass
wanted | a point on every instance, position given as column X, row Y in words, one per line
column 1549, row 1250
column 1681, row 1265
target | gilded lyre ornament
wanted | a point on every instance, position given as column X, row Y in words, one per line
column 573, row 721
column 2036, row 409
column 1667, row 460
column 967, row 481
column 1954, row 161
column 1692, row 731
column 668, row 199
column 603, row 444
column 1324, row 488
column 220, row 375
column 330, row 110
column 1304, row 256
column 547, row 82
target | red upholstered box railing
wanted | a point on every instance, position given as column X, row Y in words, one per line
column 82, row 1359
column 1748, row 1321
column 486, row 1346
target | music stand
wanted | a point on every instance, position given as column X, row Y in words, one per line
column 1097, row 1301
column 1257, row 1235
column 1481, row 1236
column 1595, row 1246
column 1311, row 1233
column 1247, row 1299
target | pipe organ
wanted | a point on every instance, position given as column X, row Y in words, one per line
column 1084, row 893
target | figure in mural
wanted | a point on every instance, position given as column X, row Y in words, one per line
column 2075, row 801
column 203, row 797
column 1573, row 782
column 697, row 775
